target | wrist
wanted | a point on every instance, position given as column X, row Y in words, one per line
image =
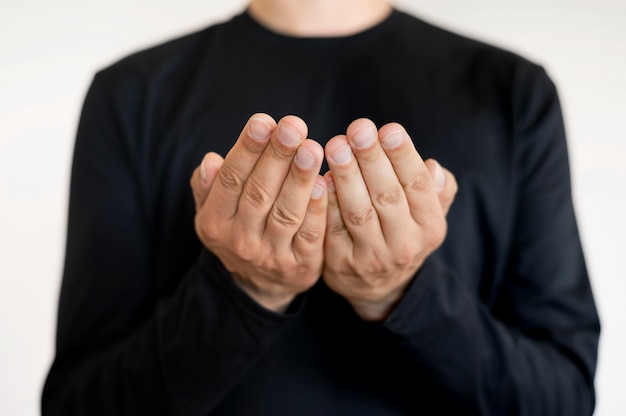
column 377, row 310
column 273, row 302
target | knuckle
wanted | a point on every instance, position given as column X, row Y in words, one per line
column 390, row 196
column 337, row 229
column 284, row 216
column 340, row 267
column 375, row 268
column 361, row 216
column 281, row 154
column 229, row 179
column 241, row 249
column 309, row 235
column 272, row 267
column 420, row 182
column 256, row 194
column 405, row 256
column 367, row 155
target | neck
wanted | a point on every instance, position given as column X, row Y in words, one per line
column 319, row 18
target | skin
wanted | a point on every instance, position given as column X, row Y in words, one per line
column 367, row 226
column 319, row 18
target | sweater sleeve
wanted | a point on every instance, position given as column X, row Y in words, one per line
column 531, row 348
column 122, row 348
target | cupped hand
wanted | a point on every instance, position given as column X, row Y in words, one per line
column 386, row 214
column 262, row 210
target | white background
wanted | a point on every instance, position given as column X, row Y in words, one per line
column 49, row 51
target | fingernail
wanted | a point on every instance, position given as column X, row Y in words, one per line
column 364, row 138
column 259, row 129
column 440, row 178
column 393, row 140
column 342, row 156
column 288, row 135
column 304, row 159
column 318, row 191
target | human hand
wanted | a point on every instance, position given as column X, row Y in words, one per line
column 262, row 210
column 386, row 213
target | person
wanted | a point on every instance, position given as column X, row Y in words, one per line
column 316, row 263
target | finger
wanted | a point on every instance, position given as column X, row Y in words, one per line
column 290, row 207
column 203, row 177
column 309, row 238
column 385, row 191
column 445, row 184
column 337, row 241
column 263, row 185
column 412, row 173
column 238, row 165
column 357, row 212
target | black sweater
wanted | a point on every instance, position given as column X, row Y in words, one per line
column 500, row 320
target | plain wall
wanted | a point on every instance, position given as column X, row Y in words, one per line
column 49, row 52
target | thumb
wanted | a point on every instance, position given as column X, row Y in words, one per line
column 445, row 184
column 203, row 177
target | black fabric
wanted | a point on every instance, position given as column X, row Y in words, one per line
column 499, row 321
